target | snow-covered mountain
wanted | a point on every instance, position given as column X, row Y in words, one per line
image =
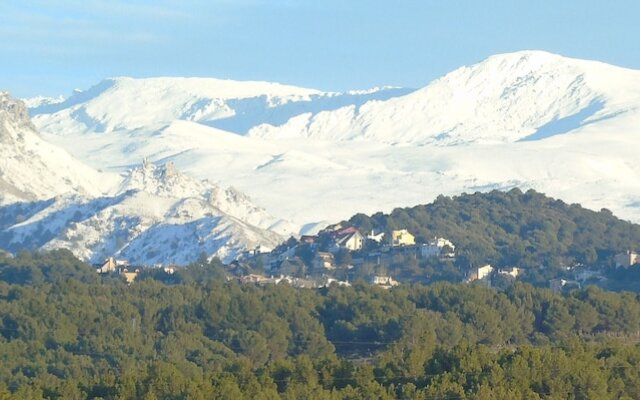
column 42, row 101
column 158, row 216
column 567, row 127
column 152, row 214
column 508, row 97
column 32, row 168
column 127, row 104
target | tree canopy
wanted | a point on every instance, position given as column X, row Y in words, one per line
column 72, row 335
column 513, row 228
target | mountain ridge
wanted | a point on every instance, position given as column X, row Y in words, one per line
column 215, row 102
column 159, row 216
column 504, row 98
column 31, row 168
column 151, row 214
column 562, row 126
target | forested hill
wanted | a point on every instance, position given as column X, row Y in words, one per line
column 513, row 228
column 66, row 334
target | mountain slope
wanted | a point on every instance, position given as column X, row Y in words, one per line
column 151, row 215
column 565, row 127
column 31, row 168
column 121, row 104
column 508, row 97
column 158, row 216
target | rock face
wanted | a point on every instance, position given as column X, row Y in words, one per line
column 31, row 168
column 14, row 111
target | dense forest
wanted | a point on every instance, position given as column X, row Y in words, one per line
column 513, row 228
column 66, row 333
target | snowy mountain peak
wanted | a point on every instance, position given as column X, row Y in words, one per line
column 32, row 168
column 14, row 111
column 532, row 62
column 165, row 181
column 161, row 180
column 158, row 215
column 526, row 59
column 505, row 98
column 120, row 104
column 503, row 72
column 564, row 126
column 208, row 87
column 42, row 101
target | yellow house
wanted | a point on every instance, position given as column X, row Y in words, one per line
column 484, row 271
column 130, row 276
column 402, row 237
column 109, row 265
column 480, row 274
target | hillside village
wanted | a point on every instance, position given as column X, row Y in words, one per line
column 342, row 255
column 336, row 254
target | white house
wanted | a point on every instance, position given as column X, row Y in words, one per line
column 330, row 281
column 434, row 248
column 376, row 237
column 351, row 241
column 384, row 281
column 443, row 243
column 512, row 272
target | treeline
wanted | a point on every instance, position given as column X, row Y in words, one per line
column 513, row 228
column 70, row 335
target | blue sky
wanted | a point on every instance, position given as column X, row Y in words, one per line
column 50, row 47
